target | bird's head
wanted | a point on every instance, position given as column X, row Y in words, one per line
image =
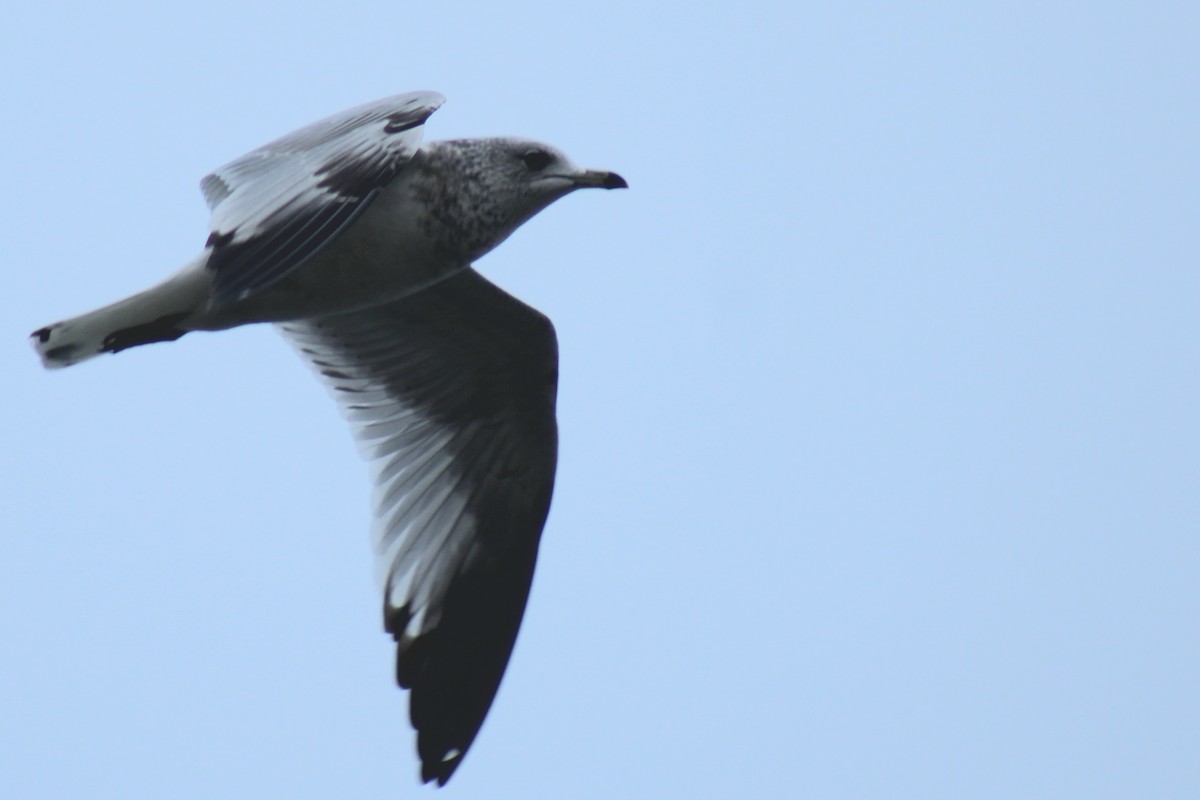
column 486, row 188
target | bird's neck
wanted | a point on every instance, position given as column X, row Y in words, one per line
column 462, row 216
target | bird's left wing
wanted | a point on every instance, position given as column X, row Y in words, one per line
column 275, row 207
column 451, row 395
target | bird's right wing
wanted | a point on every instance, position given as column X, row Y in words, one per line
column 451, row 395
column 277, row 206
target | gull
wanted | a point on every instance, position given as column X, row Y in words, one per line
column 357, row 241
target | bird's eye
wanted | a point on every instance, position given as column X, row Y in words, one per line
column 537, row 160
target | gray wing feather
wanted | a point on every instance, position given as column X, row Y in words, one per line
column 451, row 396
column 277, row 206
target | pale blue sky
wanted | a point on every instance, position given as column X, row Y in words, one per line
column 880, row 441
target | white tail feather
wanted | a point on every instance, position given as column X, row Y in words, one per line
column 155, row 315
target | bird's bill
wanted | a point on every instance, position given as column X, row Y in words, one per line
column 599, row 179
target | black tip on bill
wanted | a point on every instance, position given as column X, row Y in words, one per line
column 614, row 181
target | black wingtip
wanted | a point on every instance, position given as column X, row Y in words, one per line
column 441, row 770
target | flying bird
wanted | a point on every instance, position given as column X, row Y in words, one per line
column 357, row 241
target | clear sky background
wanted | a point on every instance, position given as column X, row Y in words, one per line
column 880, row 442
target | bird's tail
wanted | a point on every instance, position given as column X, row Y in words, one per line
column 155, row 315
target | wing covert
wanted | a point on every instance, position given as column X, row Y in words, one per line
column 277, row 206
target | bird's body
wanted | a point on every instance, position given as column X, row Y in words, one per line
column 358, row 241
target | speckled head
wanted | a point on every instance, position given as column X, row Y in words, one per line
column 478, row 191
